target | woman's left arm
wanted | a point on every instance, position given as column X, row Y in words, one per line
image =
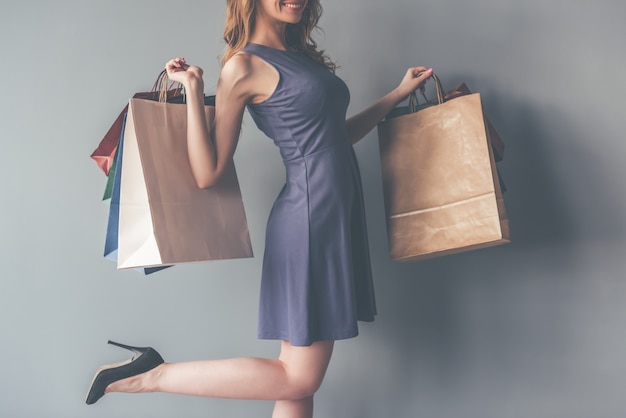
column 362, row 123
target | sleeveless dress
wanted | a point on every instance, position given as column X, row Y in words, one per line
column 316, row 278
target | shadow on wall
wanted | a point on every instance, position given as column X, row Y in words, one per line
column 562, row 192
column 537, row 207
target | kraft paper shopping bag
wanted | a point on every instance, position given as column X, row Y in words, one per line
column 440, row 183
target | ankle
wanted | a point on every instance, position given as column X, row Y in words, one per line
column 151, row 380
column 141, row 383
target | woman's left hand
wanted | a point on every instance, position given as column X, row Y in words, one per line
column 414, row 78
column 178, row 70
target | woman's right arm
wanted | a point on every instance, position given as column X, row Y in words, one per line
column 211, row 148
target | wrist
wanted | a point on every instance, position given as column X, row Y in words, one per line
column 194, row 85
column 397, row 96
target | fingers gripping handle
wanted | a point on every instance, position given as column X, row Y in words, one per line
column 414, row 102
column 161, row 85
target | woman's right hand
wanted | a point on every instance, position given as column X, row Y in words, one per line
column 188, row 75
column 414, row 79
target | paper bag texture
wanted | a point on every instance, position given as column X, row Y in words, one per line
column 440, row 184
column 496, row 142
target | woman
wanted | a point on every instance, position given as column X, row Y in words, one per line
column 316, row 280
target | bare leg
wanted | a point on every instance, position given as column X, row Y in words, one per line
column 302, row 408
column 296, row 374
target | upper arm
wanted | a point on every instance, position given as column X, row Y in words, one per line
column 244, row 79
column 234, row 91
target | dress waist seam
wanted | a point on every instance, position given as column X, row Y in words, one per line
column 303, row 156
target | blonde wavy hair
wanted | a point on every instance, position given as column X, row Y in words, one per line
column 240, row 20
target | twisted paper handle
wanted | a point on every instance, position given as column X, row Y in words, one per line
column 414, row 102
column 161, row 85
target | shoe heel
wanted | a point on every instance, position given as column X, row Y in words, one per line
column 136, row 350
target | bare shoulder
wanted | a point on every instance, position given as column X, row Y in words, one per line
column 247, row 76
column 238, row 67
column 241, row 68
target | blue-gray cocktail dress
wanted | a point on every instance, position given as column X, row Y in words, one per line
column 316, row 280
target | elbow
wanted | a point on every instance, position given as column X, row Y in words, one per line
column 206, row 183
column 207, row 178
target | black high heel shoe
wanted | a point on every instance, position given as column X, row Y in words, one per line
column 143, row 360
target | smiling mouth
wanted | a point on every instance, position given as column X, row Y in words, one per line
column 294, row 6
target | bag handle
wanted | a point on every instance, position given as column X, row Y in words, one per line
column 413, row 100
column 161, row 86
column 167, row 94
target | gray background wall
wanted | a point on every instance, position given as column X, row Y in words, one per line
column 532, row 329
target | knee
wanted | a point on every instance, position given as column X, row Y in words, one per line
column 302, row 387
column 304, row 368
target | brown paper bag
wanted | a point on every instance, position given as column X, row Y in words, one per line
column 440, row 184
column 496, row 142
column 164, row 217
